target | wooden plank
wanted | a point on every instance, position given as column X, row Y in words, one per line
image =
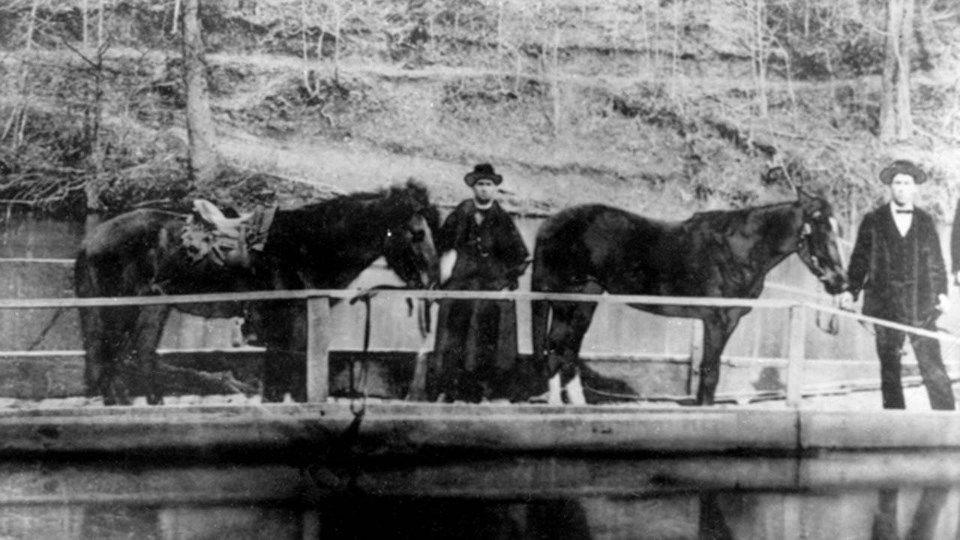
column 797, row 353
column 696, row 358
column 318, row 349
column 434, row 431
column 52, row 374
column 399, row 430
column 862, row 430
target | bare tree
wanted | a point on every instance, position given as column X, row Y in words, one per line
column 94, row 119
column 17, row 122
column 896, row 120
column 201, row 133
column 555, row 87
column 760, row 55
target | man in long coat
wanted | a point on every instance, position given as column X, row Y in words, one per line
column 898, row 264
column 476, row 348
column 955, row 245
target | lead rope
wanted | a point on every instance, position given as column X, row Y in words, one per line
column 359, row 407
column 343, row 457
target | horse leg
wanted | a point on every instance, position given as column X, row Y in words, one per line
column 96, row 353
column 105, row 331
column 137, row 357
column 717, row 330
column 151, row 322
column 285, row 368
column 570, row 322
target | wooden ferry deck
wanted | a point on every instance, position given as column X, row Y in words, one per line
column 327, row 428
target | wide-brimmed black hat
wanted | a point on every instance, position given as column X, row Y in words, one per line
column 902, row 166
column 480, row 172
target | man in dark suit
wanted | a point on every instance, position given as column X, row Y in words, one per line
column 898, row 264
column 476, row 347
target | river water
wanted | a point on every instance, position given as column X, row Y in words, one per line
column 846, row 496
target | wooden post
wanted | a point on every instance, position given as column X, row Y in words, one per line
column 796, row 354
column 318, row 349
column 696, row 356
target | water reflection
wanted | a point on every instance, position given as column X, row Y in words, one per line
column 712, row 524
column 923, row 526
column 464, row 519
column 705, row 499
column 911, row 514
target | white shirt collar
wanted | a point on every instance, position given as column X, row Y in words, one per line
column 903, row 221
column 894, row 207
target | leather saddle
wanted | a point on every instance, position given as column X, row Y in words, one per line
column 209, row 235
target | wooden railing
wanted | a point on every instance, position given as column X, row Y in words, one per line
column 318, row 313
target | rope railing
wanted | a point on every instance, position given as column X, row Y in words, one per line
column 344, row 294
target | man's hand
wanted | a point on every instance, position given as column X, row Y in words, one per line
column 942, row 303
column 847, row 301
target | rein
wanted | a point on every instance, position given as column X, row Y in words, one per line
column 833, row 322
column 358, row 411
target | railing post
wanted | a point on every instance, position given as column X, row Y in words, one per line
column 796, row 354
column 696, row 357
column 318, row 348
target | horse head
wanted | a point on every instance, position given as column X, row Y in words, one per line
column 408, row 246
column 818, row 243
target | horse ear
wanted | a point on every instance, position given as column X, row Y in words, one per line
column 418, row 191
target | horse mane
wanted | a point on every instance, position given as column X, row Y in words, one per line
column 398, row 202
column 806, row 198
column 725, row 222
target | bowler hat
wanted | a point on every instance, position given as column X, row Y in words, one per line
column 902, row 166
column 481, row 172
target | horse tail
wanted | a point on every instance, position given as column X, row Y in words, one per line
column 81, row 276
column 84, row 286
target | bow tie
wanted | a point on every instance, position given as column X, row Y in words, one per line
column 904, row 211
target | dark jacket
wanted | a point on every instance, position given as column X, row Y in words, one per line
column 955, row 241
column 490, row 255
column 901, row 276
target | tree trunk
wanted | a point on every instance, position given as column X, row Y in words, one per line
column 201, row 133
column 896, row 120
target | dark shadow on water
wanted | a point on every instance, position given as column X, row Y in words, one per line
column 712, row 524
column 923, row 526
column 475, row 499
column 463, row 519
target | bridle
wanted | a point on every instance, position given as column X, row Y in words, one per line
column 417, row 236
column 832, row 325
column 803, row 249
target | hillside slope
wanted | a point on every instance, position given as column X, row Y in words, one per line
column 660, row 107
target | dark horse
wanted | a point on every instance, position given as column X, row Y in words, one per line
column 325, row 245
column 595, row 248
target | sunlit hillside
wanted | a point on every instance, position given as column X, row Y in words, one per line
column 662, row 107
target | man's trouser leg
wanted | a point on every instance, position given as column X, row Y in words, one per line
column 889, row 343
column 934, row 374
